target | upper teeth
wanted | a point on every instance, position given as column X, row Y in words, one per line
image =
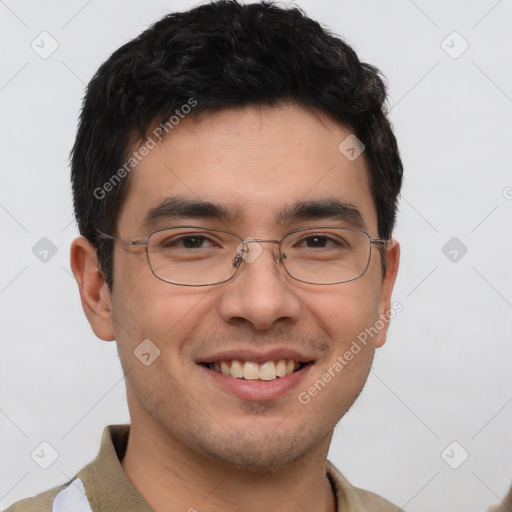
column 251, row 371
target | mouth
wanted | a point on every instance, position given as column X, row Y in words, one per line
column 250, row 370
column 259, row 375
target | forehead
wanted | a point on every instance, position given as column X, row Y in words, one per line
column 255, row 163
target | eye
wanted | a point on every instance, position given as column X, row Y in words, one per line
column 192, row 241
column 320, row 241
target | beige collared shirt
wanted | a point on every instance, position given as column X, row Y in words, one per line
column 102, row 486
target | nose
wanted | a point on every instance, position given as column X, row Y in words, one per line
column 260, row 293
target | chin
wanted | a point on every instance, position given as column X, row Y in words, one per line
column 258, row 454
column 260, row 448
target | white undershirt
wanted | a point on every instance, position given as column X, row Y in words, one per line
column 72, row 499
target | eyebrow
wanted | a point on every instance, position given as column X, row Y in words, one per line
column 176, row 209
column 323, row 209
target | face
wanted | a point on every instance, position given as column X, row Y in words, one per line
column 254, row 163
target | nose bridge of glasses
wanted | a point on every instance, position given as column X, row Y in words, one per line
column 245, row 253
column 260, row 240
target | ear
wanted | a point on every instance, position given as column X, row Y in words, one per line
column 94, row 292
column 386, row 311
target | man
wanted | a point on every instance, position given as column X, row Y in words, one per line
column 235, row 181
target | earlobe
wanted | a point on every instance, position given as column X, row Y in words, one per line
column 94, row 292
column 386, row 312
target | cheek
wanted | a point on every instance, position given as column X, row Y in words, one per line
column 149, row 308
column 346, row 315
column 346, row 310
column 147, row 305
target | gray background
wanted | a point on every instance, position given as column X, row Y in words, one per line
column 444, row 374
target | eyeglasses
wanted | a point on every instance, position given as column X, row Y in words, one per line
column 204, row 256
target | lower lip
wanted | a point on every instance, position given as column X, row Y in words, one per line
column 258, row 390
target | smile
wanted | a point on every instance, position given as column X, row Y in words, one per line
column 250, row 370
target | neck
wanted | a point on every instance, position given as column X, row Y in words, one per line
column 170, row 477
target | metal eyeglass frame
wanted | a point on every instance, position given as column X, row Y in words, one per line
column 238, row 258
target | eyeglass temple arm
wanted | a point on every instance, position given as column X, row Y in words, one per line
column 137, row 241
